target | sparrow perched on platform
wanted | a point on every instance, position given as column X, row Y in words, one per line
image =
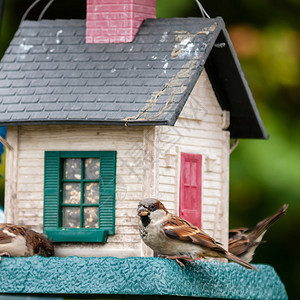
column 17, row 240
column 175, row 238
column 243, row 241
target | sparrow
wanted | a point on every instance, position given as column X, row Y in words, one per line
column 175, row 238
column 243, row 241
column 16, row 240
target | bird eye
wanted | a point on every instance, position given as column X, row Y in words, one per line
column 152, row 207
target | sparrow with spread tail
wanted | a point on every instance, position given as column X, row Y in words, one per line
column 175, row 238
column 17, row 240
column 243, row 241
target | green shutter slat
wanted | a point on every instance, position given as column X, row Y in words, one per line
column 51, row 190
column 52, row 195
column 107, row 191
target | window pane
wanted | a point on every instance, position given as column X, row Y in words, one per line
column 72, row 168
column 91, row 219
column 71, row 217
column 92, row 167
column 71, row 193
column 91, row 193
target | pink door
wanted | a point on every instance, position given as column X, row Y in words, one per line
column 190, row 188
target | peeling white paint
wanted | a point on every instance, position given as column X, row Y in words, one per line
column 164, row 37
column 185, row 41
column 164, row 60
column 166, row 63
column 187, row 51
column 25, row 47
column 58, row 33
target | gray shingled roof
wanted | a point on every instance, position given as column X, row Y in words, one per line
column 48, row 75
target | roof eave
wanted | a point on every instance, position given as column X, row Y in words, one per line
column 232, row 90
column 89, row 122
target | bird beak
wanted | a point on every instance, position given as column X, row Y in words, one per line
column 142, row 211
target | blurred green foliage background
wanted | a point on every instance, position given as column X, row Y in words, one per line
column 264, row 174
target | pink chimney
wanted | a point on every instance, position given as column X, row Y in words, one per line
column 116, row 21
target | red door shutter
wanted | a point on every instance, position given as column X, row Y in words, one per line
column 190, row 188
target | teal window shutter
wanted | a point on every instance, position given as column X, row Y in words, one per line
column 51, row 190
column 53, row 197
column 107, row 191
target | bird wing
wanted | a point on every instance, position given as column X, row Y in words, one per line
column 9, row 231
column 239, row 245
column 5, row 238
column 233, row 233
column 242, row 240
column 178, row 228
column 261, row 228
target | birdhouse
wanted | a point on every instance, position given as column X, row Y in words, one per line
column 103, row 112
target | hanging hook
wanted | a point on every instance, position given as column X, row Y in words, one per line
column 234, row 145
column 203, row 11
column 29, row 9
column 45, row 9
column 6, row 144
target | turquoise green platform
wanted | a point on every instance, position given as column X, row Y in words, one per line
column 137, row 276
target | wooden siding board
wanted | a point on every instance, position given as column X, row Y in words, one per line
column 204, row 137
column 138, row 148
column 128, row 142
column 11, row 175
column 193, row 132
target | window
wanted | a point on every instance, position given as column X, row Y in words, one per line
column 79, row 195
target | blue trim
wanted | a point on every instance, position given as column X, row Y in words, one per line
column 137, row 276
column 1, row 214
column 2, row 134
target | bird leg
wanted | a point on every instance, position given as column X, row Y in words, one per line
column 4, row 254
column 177, row 259
column 180, row 263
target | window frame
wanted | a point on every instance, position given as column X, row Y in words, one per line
column 53, row 197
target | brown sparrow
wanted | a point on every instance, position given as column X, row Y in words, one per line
column 175, row 238
column 243, row 241
column 17, row 240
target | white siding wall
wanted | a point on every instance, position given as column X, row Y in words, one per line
column 148, row 165
column 199, row 130
column 26, row 207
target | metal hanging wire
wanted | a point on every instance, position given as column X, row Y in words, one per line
column 45, row 9
column 33, row 5
column 29, row 9
column 203, row 11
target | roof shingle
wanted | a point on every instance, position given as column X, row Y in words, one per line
column 49, row 75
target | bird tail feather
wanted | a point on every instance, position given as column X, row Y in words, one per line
column 264, row 225
column 239, row 261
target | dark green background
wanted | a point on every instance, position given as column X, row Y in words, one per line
column 264, row 174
